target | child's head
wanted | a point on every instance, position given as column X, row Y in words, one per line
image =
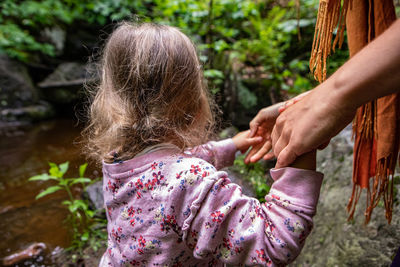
column 151, row 91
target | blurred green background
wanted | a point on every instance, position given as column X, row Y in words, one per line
column 254, row 52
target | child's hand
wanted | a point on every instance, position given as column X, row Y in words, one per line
column 243, row 141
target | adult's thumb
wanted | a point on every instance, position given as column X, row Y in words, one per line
column 253, row 129
column 285, row 157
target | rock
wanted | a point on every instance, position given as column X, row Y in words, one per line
column 57, row 36
column 41, row 111
column 65, row 83
column 95, row 194
column 334, row 241
column 30, row 252
column 65, row 73
column 16, row 87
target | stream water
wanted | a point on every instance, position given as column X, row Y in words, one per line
column 26, row 151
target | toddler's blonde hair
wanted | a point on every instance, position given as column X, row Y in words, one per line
column 151, row 91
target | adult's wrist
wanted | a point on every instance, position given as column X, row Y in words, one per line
column 342, row 93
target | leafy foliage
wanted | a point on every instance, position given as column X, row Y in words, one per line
column 87, row 227
column 250, row 50
column 243, row 41
column 248, row 47
column 22, row 22
column 254, row 173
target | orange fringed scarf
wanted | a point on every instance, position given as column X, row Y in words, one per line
column 376, row 126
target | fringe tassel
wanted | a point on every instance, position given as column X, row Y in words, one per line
column 382, row 182
column 330, row 16
column 355, row 196
column 367, row 123
column 382, row 186
column 364, row 128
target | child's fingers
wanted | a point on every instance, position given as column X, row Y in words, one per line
column 252, row 151
column 243, row 141
column 251, row 142
column 260, row 153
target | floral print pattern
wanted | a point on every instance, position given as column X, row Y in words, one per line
column 171, row 209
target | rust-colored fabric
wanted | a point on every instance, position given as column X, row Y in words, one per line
column 376, row 126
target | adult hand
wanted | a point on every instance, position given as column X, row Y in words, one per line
column 262, row 125
column 309, row 124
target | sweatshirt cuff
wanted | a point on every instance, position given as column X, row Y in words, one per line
column 225, row 152
column 297, row 184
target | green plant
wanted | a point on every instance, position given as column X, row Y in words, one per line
column 254, row 53
column 255, row 174
column 87, row 228
column 22, row 22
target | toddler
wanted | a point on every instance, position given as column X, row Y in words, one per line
column 167, row 202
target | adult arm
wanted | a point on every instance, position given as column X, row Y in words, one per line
column 372, row 73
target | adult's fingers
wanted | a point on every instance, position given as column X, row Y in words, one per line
column 257, row 121
column 269, row 156
column 285, row 157
column 253, row 128
column 278, row 139
column 279, row 145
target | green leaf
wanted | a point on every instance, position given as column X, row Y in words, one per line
column 78, row 204
column 48, row 191
column 64, row 182
column 213, row 73
column 64, row 167
column 90, row 213
column 82, row 169
column 81, row 180
column 85, row 236
column 72, row 208
column 53, row 165
column 41, row 177
column 54, row 170
column 66, row 202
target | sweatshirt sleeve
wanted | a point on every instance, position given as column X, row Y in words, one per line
column 233, row 228
column 220, row 154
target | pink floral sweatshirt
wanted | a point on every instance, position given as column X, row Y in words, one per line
column 167, row 208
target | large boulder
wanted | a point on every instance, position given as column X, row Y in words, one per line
column 19, row 98
column 16, row 87
column 65, row 84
